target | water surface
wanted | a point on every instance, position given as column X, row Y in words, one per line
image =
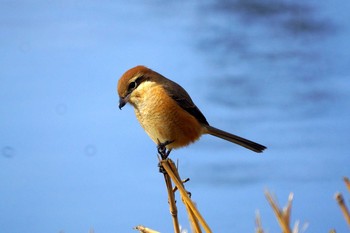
column 275, row 72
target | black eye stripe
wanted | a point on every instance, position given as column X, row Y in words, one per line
column 139, row 80
column 133, row 85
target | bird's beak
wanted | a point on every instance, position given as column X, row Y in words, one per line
column 122, row 102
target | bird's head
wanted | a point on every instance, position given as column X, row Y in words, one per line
column 130, row 81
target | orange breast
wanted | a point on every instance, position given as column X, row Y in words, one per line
column 163, row 119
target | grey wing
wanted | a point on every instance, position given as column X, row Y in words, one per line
column 184, row 100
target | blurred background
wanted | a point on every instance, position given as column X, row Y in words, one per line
column 276, row 72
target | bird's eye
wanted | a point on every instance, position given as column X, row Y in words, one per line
column 132, row 86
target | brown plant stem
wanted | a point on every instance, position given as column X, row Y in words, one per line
column 347, row 183
column 192, row 218
column 258, row 225
column 343, row 207
column 143, row 229
column 172, row 202
column 171, row 170
column 283, row 216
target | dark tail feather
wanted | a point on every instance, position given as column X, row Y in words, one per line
column 236, row 139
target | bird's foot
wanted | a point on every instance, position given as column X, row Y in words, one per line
column 161, row 169
column 162, row 150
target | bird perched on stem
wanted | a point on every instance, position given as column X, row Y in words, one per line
column 166, row 111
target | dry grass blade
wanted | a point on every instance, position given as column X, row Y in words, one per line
column 283, row 216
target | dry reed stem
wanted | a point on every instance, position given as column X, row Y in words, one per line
column 143, row 229
column 347, row 183
column 258, row 225
column 283, row 216
column 296, row 227
column 166, row 164
column 343, row 207
column 192, row 218
column 172, row 203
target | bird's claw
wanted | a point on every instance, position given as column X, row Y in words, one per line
column 162, row 150
column 161, row 169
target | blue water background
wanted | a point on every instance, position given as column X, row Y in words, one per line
column 276, row 72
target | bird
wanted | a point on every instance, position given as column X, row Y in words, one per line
column 166, row 111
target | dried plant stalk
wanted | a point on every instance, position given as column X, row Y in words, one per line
column 170, row 168
column 343, row 207
column 258, row 225
column 172, row 203
column 347, row 183
column 192, row 218
column 283, row 216
column 143, row 229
